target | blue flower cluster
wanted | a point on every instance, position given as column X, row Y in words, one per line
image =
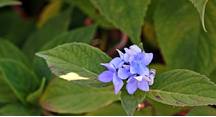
column 130, row 66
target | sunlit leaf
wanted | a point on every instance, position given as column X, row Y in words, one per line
column 77, row 62
column 83, row 34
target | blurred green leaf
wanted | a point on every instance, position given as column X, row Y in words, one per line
column 6, row 94
column 10, row 51
column 62, row 96
column 87, row 7
column 160, row 68
column 202, row 111
column 116, row 109
column 200, row 5
column 15, row 109
column 20, row 79
column 46, row 32
column 161, row 109
column 183, row 88
column 183, row 42
column 212, row 76
column 9, row 2
column 77, row 62
column 16, row 29
column 49, row 11
column 35, row 96
column 83, row 34
column 127, row 15
column 130, row 102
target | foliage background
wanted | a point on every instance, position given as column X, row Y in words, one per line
column 180, row 33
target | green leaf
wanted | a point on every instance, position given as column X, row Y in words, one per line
column 116, row 109
column 9, row 2
column 6, row 94
column 183, row 88
column 15, row 109
column 77, row 62
column 20, row 79
column 212, row 76
column 183, row 42
column 83, row 34
column 160, row 68
column 35, row 96
column 62, row 96
column 130, row 102
column 87, row 7
column 16, row 29
column 46, row 32
column 161, row 109
column 10, row 51
column 202, row 111
column 200, row 5
column 127, row 15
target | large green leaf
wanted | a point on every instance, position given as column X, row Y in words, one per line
column 83, row 34
column 62, row 96
column 183, row 42
column 6, row 94
column 87, row 7
column 10, row 51
column 130, row 102
column 200, row 5
column 20, row 79
column 15, row 109
column 183, row 88
column 46, row 32
column 116, row 109
column 77, row 62
column 9, row 2
column 35, row 96
column 202, row 111
column 127, row 15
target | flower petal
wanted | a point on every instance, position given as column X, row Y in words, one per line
column 105, row 76
column 143, row 85
column 126, row 57
column 116, row 61
column 134, row 68
column 140, row 56
column 143, row 70
column 123, row 73
column 139, row 78
column 110, row 67
column 127, row 67
column 135, row 48
column 131, row 86
column 116, row 79
column 148, row 58
column 132, row 58
column 118, row 87
column 126, row 50
column 120, row 54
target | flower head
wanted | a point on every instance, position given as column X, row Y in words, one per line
column 130, row 66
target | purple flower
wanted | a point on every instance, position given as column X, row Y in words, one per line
column 133, row 84
column 111, row 75
column 130, row 66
